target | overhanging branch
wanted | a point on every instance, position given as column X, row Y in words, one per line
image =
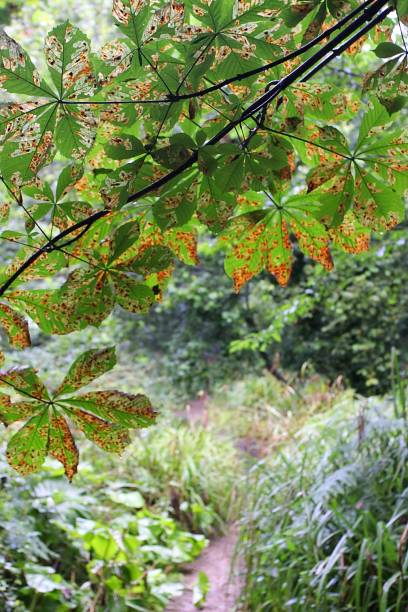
column 371, row 14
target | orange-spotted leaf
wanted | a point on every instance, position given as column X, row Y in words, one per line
column 25, row 381
column 15, row 325
column 110, row 437
column 88, row 366
column 10, row 412
column 117, row 407
column 61, row 444
column 28, row 448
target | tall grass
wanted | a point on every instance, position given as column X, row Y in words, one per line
column 326, row 526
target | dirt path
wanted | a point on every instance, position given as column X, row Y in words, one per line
column 215, row 561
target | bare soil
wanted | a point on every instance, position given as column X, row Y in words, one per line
column 217, row 560
column 225, row 584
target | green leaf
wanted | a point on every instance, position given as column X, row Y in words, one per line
column 376, row 205
column 87, row 297
column 123, row 238
column 259, row 240
column 131, row 294
column 130, row 499
column 67, row 51
column 17, row 72
column 124, row 146
column 375, row 116
column 49, row 312
column 67, row 179
column 151, row 260
column 117, row 407
column 388, row 49
column 30, row 145
column 61, row 444
column 25, row 381
column 402, row 8
column 76, row 130
column 229, row 178
column 10, row 412
column 27, row 449
column 15, row 326
column 172, row 156
column 88, row 366
column 112, row 438
column 200, row 589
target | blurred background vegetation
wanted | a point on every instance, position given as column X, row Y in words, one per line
column 281, row 410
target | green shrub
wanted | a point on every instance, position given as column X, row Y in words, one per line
column 359, row 312
column 78, row 547
column 325, row 522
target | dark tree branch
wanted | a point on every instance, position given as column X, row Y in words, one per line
column 371, row 14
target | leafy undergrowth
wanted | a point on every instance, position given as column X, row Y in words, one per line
column 325, row 524
column 116, row 537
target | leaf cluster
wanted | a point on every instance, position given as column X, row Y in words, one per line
column 199, row 116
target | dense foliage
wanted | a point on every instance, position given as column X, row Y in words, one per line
column 225, row 116
column 325, row 525
column 340, row 324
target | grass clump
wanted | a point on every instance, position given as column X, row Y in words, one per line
column 326, row 521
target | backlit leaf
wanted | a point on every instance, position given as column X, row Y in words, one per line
column 27, row 449
column 88, row 366
column 117, row 407
column 15, row 326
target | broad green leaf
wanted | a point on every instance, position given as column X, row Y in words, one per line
column 120, row 183
column 30, row 145
column 131, row 294
column 46, row 308
column 152, row 259
column 15, row 326
column 376, row 206
column 17, row 72
column 10, row 412
column 123, row 238
column 124, row 146
column 88, row 366
column 87, row 296
column 259, row 241
column 76, row 130
column 110, row 437
column 70, row 175
column 61, row 444
column 116, row 407
column 172, row 156
column 25, row 381
column 67, row 52
column 375, row 116
column 388, row 49
column 27, row 449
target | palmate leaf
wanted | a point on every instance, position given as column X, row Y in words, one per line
column 30, row 132
column 103, row 416
column 261, row 240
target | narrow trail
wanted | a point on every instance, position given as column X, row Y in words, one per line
column 217, row 559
